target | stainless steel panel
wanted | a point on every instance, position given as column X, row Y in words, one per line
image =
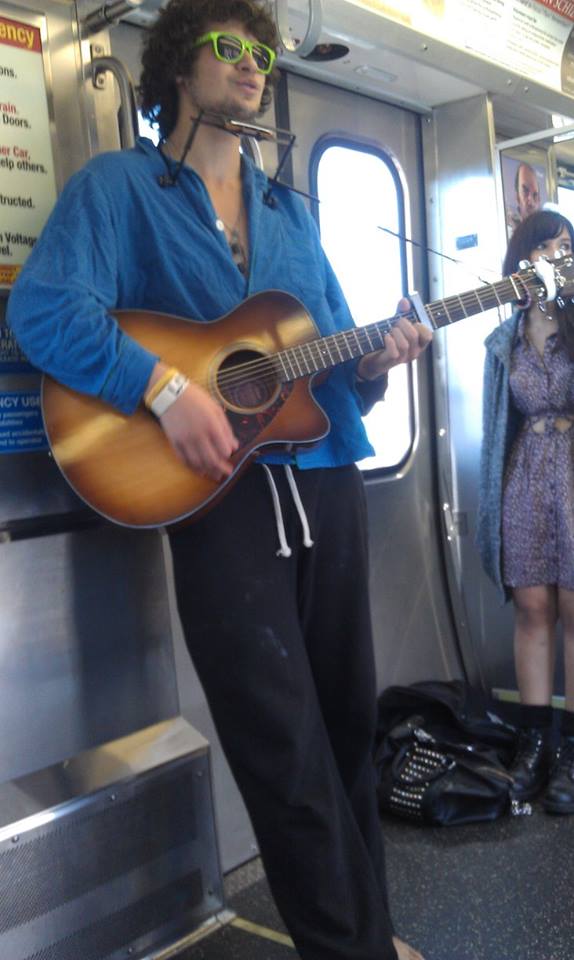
column 85, row 644
column 116, row 854
column 459, row 162
column 24, row 800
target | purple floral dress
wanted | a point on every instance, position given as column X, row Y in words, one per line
column 538, row 497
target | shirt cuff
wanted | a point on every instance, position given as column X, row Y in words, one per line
column 371, row 391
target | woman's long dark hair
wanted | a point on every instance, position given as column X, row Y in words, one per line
column 538, row 227
column 168, row 50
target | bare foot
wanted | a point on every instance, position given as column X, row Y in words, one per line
column 404, row 952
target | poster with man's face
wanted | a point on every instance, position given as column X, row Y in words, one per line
column 524, row 189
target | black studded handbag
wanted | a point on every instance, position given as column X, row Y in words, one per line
column 439, row 781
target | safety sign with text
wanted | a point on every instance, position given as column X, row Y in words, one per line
column 27, row 180
column 21, row 428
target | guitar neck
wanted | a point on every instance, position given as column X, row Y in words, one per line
column 326, row 352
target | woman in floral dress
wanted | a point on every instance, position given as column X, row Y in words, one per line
column 526, row 510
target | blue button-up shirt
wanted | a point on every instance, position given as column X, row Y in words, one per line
column 118, row 239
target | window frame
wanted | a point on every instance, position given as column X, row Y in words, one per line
column 365, row 146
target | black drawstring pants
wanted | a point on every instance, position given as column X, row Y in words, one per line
column 283, row 649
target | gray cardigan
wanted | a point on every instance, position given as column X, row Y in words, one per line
column 500, row 424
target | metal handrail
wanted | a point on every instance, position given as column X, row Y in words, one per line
column 128, row 120
column 106, row 15
column 314, row 26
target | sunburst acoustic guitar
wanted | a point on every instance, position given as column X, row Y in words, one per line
column 259, row 362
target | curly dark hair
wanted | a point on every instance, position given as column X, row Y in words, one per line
column 538, row 227
column 168, row 50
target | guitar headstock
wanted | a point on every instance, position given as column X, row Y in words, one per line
column 564, row 275
column 553, row 279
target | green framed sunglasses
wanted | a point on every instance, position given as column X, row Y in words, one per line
column 230, row 49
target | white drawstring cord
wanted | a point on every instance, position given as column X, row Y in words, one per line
column 307, row 542
column 284, row 548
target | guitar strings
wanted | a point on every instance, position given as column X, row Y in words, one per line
column 266, row 368
column 248, row 370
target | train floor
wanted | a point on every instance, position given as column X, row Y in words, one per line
column 498, row 891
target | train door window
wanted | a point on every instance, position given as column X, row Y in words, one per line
column 360, row 191
column 146, row 129
column 566, row 201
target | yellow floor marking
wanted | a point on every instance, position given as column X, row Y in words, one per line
column 263, row 932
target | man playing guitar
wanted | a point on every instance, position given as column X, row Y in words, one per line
column 281, row 638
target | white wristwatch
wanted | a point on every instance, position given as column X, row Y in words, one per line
column 169, row 394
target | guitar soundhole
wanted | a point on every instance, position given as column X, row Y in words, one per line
column 246, row 381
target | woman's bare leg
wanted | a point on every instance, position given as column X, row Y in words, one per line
column 566, row 614
column 534, row 655
column 536, row 612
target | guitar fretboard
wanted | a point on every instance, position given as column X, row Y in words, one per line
column 326, row 352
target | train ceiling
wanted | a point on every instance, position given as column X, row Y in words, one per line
column 354, row 47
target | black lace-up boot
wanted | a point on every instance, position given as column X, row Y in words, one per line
column 530, row 768
column 559, row 797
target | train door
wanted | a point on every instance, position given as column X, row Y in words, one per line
column 378, row 146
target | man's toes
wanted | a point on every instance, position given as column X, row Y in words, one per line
column 405, row 952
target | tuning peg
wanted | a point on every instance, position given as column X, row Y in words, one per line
column 546, row 272
column 524, row 264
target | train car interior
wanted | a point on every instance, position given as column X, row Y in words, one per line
column 122, row 831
